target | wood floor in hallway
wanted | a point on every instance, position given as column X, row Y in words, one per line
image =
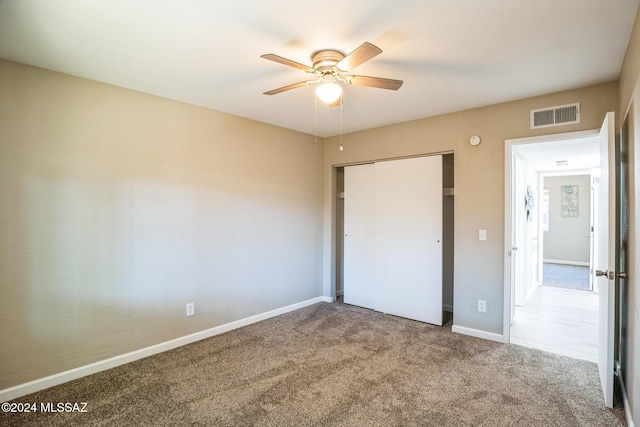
column 561, row 321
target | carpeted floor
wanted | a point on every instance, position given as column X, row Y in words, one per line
column 337, row 365
column 565, row 276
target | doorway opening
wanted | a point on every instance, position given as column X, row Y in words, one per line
column 553, row 306
column 568, row 210
column 610, row 211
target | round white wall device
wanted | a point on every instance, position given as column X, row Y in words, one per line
column 474, row 140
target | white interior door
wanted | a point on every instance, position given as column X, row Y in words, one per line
column 359, row 236
column 408, row 206
column 606, row 257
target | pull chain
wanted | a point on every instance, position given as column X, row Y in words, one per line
column 341, row 105
column 315, row 134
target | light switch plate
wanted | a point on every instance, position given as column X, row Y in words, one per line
column 482, row 235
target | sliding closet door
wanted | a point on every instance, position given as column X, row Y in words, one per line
column 359, row 236
column 408, row 261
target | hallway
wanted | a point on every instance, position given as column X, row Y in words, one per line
column 562, row 321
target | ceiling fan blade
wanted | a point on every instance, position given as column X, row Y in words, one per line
column 289, row 87
column 378, row 82
column 360, row 55
column 290, row 63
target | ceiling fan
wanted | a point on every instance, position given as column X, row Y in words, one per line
column 332, row 66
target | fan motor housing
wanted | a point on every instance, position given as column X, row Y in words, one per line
column 325, row 60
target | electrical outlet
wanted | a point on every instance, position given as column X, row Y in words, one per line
column 482, row 235
column 482, row 306
column 190, row 309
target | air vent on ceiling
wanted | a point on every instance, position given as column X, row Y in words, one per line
column 555, row 116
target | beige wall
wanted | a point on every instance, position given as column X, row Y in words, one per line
column 630, row 72
column 567, row 238
column 117, row 208
column 629, row 101
column 479, row 185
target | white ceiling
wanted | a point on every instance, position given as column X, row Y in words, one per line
column 581, row 154
column 452, row 54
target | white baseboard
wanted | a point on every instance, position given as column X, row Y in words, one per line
column 478, row 333
column 82, row 371
column 627, row 404
column 559, row 261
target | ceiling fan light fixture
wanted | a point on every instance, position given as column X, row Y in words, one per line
column 331, row 66
column 329, row 91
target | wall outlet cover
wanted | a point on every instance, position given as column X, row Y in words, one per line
column 482, row 306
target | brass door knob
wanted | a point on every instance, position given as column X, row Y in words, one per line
column 608, row 274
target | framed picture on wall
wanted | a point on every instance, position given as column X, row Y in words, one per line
column 569, row 200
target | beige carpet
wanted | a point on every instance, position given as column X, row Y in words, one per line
column 337, row 365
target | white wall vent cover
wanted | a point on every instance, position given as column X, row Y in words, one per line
column 555, row 116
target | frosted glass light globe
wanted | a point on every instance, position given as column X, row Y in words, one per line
column 328, row 92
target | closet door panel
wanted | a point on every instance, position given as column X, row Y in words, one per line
column 359, row 236
column 408, row 218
